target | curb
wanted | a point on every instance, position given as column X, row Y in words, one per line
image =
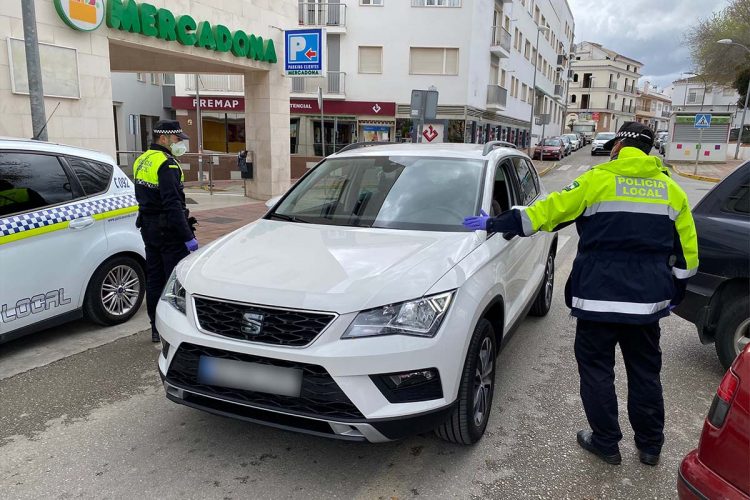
column 692, row 176
column 547, row 170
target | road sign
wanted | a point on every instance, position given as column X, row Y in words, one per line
column 304, row 52
column 702, row 120
column 424, row 104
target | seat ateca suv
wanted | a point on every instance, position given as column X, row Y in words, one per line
column 359, row 307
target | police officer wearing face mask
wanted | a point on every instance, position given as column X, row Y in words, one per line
column 637, row 249
column 162, row 214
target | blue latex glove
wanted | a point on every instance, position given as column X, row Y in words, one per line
column 192, row 245
column 671, row 307
column 477, row 223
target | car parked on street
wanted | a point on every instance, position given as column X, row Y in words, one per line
column 720, row 466
column 597, row 145
column 659, row 139
column 575, row 141
column 567, row 143
column 718, row 297
column 551, row 148
column 359, row 307
column 68, row 243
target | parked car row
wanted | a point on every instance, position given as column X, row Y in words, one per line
column 558, row 147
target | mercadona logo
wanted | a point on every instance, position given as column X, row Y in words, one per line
column 82, row 15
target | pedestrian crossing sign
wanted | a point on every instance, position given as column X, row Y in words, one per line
column 702, row 120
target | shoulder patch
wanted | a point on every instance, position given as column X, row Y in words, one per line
column 573, row 185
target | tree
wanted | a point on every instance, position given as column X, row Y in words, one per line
column 722, row 63
column 740, row 83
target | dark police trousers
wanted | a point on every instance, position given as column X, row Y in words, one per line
column 163, row 252
column 595, row 352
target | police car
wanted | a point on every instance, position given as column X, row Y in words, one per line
column 69, row 247
column 359, row 307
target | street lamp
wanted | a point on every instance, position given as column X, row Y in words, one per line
column 728, row 41
column 539, row 29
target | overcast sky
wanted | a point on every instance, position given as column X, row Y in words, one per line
column 649, row 31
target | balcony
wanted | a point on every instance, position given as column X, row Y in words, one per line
column 611, row 106
column 216, row 83
column 562, row 59
column 666, row 114
column 613, row 85
column 558, row 90
column 570, row 74
column 497, row 96
column 500, row 41
column 333, row 84
column 328, row 15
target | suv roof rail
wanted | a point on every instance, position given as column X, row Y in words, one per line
column 497, row 144
column 358, row 145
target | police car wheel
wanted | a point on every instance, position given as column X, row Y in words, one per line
column 733, row 330
column 467, row 423
column 543, row 300
column 116, row 291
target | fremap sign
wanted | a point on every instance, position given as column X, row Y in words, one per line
column 145, row 19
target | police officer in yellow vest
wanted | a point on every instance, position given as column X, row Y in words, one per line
column 162, row 213
column 637, row 249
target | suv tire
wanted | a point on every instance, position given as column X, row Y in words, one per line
column 469, row 419
column 115, row 291
column 543, row 300
column 734, row 315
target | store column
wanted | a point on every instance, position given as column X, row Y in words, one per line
column 267, row 132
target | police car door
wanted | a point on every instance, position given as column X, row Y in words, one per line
column 48, row 240
column 509, row 255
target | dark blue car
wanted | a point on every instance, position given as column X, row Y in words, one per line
column 718, row 297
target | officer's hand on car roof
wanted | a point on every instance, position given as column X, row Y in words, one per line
column 192, row 245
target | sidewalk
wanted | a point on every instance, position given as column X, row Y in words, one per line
column 710, row 172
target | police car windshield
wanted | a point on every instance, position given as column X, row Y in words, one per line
column 406, row 192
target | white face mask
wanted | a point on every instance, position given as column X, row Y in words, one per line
column 178, row 148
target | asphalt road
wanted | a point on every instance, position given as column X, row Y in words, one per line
column 96, row 424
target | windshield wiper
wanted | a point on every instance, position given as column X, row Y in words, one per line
column 289, row 218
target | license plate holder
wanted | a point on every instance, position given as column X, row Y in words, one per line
column 244, row 375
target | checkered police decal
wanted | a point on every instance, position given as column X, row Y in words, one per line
column 48, row 217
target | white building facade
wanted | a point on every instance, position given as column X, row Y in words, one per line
column 478, row 54
column 695, row 95
column 603, row 88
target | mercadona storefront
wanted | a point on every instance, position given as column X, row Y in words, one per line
column 83, row 41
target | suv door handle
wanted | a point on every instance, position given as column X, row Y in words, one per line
column 82, row 223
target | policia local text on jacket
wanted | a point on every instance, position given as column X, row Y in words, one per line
column 637, row 249
column 162, row 219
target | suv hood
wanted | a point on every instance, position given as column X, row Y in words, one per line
column 323, row 268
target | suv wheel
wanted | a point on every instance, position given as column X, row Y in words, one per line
column 543, row 300
column 115, row 291
column 733, row 330
column 469, row 419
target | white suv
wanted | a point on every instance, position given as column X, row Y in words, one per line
column 68, row 243
column 359, row 307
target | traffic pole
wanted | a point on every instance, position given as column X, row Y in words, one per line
column 698, row 151
column 34, row 71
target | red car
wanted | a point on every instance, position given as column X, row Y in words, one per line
column 549, row 149
column 720, row 467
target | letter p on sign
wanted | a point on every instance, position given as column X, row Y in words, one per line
column 297, row 45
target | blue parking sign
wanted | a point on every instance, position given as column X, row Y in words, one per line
column 303, row 52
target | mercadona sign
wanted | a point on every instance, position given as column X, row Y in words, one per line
column 147, row 20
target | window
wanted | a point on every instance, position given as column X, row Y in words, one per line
column 433, row 61
column 371, row 2
column 573, row 98
column 154, row 78
column 371, row 59
column 527, row 180
column 739, row 201
column 575, row 77
column 93, row 176
column 141, row 77
column 167, row 78
column 527, row 50
column 436, row 3
column 693, row 97
column 524, row 92
column 31, row 181
column 517, row 40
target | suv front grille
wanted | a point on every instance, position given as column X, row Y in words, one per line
column 260, row 324
column 320, row 395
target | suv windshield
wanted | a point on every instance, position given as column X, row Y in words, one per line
column 605, row 136
column 396, row 192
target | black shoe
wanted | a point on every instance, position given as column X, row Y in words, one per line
column 584, row 440
column 155, row 337
column 648, row 458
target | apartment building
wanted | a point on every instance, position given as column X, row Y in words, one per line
column 603, row 88
column 478, row 54
column 653, row 108
column 696, row 95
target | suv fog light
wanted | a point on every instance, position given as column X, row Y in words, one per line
column 409, row 387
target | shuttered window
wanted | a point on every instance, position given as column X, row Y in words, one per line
column 433, row 61
column 371, row 59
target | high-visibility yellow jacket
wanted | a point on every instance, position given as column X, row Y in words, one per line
column 638, row 244
column 158, row 180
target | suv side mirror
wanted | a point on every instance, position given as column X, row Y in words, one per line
column 270, row 203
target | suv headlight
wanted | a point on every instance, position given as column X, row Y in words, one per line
column 421, row 317
column 174, row 293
